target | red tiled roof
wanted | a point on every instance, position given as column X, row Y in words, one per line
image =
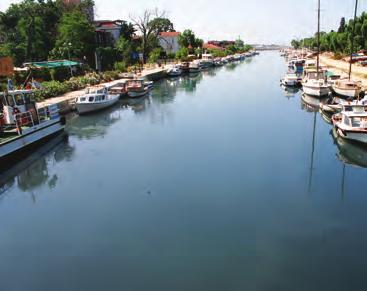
column 169, row 34
column 212, row 46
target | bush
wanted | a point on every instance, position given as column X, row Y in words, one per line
column 52, row 89
column 120, row 66
column 155, row 55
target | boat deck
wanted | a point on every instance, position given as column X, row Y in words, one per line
column 8, row 135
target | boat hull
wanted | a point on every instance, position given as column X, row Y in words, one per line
column 85, row 108
column 347, row 93
column 353, row 135
column 316, row 91
column 135, row 94
column 20, row 146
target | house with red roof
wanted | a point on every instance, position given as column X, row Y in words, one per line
column 209, row 46
column 169, row 41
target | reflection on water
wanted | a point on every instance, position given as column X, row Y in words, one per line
column 93, row 125
column 290, row 92
column 186, row 187
column 33, row 172
column 351, row 153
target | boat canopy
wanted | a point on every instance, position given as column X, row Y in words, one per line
column 52, row 64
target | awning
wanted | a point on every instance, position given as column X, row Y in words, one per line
column 53, row 64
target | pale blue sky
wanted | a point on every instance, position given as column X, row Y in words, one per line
column 256, row 21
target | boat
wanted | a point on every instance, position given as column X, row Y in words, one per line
column 185, row 67
column 194, row 68
column 137, row 88
column 95, row 98
column 338, row 105
column 24, row 126
column 174, row 71
column 207, row 61
column 149, row 84
column 351, row 125
column 119, row 89
column 315, row 83
column 291, row 80
column 349, row 88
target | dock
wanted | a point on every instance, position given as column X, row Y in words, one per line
column 65, row 102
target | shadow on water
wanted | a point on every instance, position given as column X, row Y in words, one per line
column 33, row 172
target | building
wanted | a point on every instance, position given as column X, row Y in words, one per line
column 107, row 32
column 223, row 43
column 210, row 46
column 89, row 10
column 169, row 41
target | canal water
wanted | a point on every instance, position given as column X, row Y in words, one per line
column 219, row 181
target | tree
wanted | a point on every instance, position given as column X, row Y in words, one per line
column 187, row 38
column 182, row 54
column 150, row 24
column 76, row 36
column 342, row 25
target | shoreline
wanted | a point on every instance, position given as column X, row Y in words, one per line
column 65, row 102
column 342, row 68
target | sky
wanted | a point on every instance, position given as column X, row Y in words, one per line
column 255, row 21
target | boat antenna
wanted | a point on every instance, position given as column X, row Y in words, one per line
column 318, row 38
column 352, row 46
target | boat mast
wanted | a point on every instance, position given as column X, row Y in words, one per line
column 318, row 39
column 352, row 46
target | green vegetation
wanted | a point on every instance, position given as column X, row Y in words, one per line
column 188, row 39
column 339, row 41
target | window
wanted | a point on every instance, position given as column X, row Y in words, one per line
column 91, row 99
column 82, row 99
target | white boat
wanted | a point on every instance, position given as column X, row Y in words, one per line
column 351, row 125
column 207, row 61
column 136, row 88
column 194, row 67
column 291, row 80
column 24, row 126
column 174, row 71
column 94, row 99
column 347, row 88
column 315, row 84
column 343, row 105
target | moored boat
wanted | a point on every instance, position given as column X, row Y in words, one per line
column 24, row 126
column 174, row 71
column 95, row 98
column 351, row 125
column 347, row 88
column 136, row 88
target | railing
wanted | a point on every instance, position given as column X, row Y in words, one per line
column 23, row 119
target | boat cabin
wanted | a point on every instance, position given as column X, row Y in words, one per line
column 315, row 75
column 93, row 94
column 16, row 102
column 135, row 84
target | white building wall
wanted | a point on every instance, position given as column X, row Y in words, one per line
column 169, row 44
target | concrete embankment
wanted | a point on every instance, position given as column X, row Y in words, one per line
column 66, row 102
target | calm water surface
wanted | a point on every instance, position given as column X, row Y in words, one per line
column 220, row 181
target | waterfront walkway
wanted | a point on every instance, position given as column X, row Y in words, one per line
column 66, row 100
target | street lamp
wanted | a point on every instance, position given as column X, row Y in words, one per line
column 68, row 46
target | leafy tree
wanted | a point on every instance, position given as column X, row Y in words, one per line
column 154, row 55
column 182, row 53
column 187, row 38
column 76, row 36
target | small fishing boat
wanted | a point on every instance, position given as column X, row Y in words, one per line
column 174, row 71
column 136, row 88
column 24, row 126
column 351, row 125
column 95, row 98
